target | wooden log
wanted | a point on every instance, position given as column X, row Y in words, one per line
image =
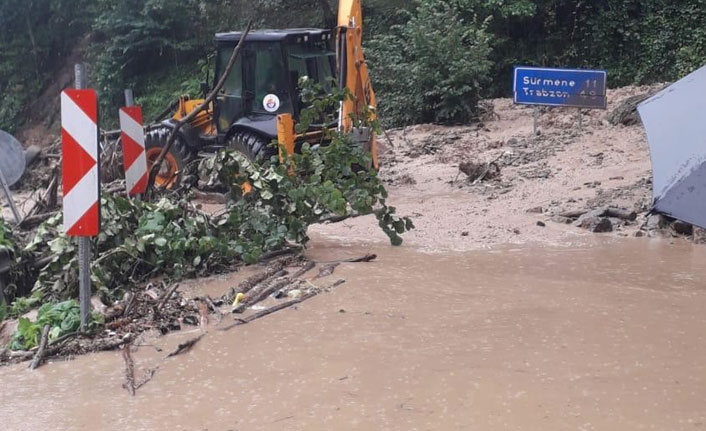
column 39, row 356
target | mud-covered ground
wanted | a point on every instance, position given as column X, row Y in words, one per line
column 532, row 180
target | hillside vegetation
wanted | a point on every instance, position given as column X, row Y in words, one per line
column 451, row 52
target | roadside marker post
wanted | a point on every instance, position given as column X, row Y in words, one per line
column 81, row 177
column 581, row 89
column 133, row 141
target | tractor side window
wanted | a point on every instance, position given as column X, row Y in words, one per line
column 234, row 83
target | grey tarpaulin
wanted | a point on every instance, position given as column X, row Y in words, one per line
column 675, row 120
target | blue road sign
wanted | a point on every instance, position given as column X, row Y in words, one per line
column 560, row 87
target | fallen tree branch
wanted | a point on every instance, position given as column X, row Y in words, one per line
column 304, row 269
column 185, row 346
column 69, row 335
column 273, row 309
column 206, row 103
column 262, row 294
column 212, row 306
column 362, row 259
column 366, row 258
column 39, row 356
column 326, row 270
column 278, row 253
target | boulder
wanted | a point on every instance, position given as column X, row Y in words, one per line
column 595, row 224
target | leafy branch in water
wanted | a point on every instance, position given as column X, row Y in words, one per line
column 63, row 318
column 332, row 177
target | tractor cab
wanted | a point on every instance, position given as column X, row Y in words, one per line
column 263, row 83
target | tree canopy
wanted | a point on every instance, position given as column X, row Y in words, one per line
column 431, row 60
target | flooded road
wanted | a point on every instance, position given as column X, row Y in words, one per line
column 608, row 336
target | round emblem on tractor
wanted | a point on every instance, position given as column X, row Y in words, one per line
column 271, row 103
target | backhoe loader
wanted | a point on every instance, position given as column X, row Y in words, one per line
column 261, row 93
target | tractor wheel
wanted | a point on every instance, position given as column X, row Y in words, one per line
column 252, row 145
column 172, row 173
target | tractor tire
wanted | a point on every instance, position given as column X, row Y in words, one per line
column 173, row 172
column 251, row 145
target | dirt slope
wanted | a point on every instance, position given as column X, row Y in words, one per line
column 562, row 169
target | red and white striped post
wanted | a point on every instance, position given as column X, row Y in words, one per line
column 133, row 140
column 81, row 179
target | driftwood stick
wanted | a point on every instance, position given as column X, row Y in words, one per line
column 146, row 378
column 251, row 282
column 268, row 311
column 42, row 348
column 366, row 258
column 262, row 293
column 206, row 103
column 277, row 253
column 69, row 335
column 304, row 269
column 166, row 296
column 212, row 306
column 185, row 346
column 129, row 370
column 326, row 270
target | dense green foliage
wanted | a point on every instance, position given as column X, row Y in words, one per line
column 431, row 59
column 440, row 55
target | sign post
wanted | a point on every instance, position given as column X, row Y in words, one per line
column 133, row 141
column 80, row 175
column 582, row 89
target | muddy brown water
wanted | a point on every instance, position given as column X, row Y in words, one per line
column 606, row 336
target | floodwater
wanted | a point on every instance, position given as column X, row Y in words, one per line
column 607, row 336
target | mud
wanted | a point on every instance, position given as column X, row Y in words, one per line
column 532, row 178
column 608, row 334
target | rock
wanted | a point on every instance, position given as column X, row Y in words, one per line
column 541, row 224
column 31, row 154
column 512, row 142
column 561, row 220
column 7, row 330
column 536, row 210
column 595, row 224
column 639, row 234
column 683, row 228
column 656, row 221
column 465, row 233
column 98, row 305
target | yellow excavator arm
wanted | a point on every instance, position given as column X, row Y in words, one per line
column 352, row 69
